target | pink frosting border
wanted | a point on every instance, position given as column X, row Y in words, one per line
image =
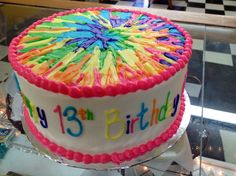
column 116, row 157
column 97, row 91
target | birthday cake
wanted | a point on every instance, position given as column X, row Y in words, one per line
column 102, row 85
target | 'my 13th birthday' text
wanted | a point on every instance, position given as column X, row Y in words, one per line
column 145, row 117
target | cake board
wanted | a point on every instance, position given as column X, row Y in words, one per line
column 110, row 166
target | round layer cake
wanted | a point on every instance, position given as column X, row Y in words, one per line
column 102, row 85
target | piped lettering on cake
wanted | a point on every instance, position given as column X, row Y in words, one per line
column 141, row 121
column 72, row 120
column 112, row 118
column 36, row 112
column 71, row 113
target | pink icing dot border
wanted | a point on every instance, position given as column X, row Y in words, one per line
column 116, row 157
column 98, row 91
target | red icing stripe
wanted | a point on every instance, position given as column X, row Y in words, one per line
column 77, row 92
column 116, row 157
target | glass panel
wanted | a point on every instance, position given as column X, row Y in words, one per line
column 194, row 87
column 219, row 101
column 20, row 17
column 212, row 80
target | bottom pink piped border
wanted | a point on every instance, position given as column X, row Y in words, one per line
column 116, row 157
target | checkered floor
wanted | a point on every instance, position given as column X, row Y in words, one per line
column 220, row 7
column 220, row 63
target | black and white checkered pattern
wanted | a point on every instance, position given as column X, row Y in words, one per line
column 220, row 7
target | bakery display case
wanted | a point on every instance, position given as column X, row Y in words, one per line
column 204, row 145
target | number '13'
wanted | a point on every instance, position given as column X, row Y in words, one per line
column 70, row 112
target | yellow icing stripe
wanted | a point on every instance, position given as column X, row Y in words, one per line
column 35, row 68
column 141, row 67
column 37, row 43
column 131, row 59
column 167, row 59
column 170, row 47
column 94, row 60
column 58, row 20
column 161, row 48
column 169, row 109
column 143, row 41
column 28, row 39
column 155, row 66
column 138, row 47
column 114, row 73
column 147, row 34
column 93, row 63
column 52, row 31
column 149, row 68
column 105, row 69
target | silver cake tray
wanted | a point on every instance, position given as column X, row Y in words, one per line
column 41, row 150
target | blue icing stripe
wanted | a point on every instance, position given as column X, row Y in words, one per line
column 175, row 58
column 164, row 62
column 178, row 43
column 72, row 25
column 125, row 15
column 75, row 34
column 113, row 44
column 105, row 14
column 163, row 39
column 143, row 17
column 180, row 51
column 17, row 82
column 97, row 43
column 176, row 35
column 58, row 39
column 156, row 21
column 174, row 31
column 171, row 27
column 160, row 28
column 80, row 42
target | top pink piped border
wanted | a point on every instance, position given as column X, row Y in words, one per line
column 97, row 91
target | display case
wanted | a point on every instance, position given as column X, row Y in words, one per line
column 205, row 144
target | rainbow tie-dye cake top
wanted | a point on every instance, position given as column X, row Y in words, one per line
column 100, row 47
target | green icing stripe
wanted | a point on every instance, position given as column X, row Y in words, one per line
column 43, row 35
column 24, row 50
column 27, row 102
column 63, row 68
column 79, row 57
column 102, row 59
column 49, row 24
column 124, row 45
column 114, row 53
column 60, row 54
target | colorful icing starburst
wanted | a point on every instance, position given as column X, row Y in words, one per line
column 100, row 48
